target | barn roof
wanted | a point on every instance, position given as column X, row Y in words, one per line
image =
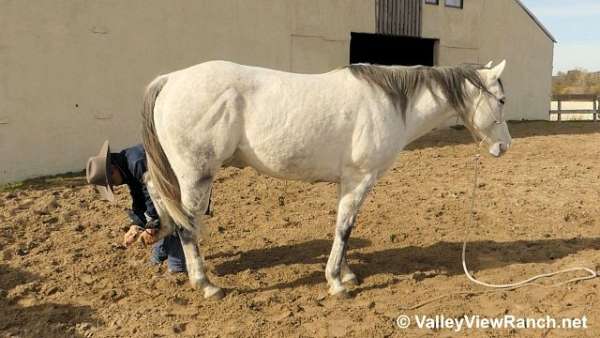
column 536, row 20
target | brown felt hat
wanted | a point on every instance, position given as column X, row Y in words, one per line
column 98, row 172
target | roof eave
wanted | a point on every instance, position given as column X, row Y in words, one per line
column 537, row 21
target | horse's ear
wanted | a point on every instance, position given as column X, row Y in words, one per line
column 496, row 72
column 488, row 65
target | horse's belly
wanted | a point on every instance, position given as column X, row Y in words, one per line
column 280, row 162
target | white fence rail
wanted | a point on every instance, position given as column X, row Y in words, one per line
column 575, row 107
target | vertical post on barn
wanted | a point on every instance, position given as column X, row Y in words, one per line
column 559, row 109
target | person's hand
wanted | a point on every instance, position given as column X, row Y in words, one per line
column 149, row 236
column 132, row 235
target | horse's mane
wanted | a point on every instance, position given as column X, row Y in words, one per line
column 403, row 83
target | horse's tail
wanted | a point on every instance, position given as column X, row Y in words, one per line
column 163, row 178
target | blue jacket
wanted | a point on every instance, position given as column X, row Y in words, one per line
column 132, row 163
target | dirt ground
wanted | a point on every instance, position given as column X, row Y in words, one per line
column 63, row 271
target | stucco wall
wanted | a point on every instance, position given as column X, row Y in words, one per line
column 510, row 33
column 456, row 30
column 73, row 72
column 495, row 30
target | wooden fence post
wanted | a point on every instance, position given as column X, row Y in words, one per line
column 559, row 109
column 595, row 109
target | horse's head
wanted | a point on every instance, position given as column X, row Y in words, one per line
column 488, row 121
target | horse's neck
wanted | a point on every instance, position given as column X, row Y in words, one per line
column 426, row 114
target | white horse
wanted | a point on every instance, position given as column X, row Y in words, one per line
column 345, row 126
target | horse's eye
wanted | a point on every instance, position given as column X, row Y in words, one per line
column 502, row 101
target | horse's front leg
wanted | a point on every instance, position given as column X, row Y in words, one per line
column 347, row 275
column 353, row 191
column 195, row 266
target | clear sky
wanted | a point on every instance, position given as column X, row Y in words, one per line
column 576, row 26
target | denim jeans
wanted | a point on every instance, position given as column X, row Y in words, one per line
column 169, row 249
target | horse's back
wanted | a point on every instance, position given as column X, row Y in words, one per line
column 299, row 126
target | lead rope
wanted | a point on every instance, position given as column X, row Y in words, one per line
column 497, row 287
column 592, row 273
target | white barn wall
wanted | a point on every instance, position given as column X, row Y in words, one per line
column 74, row 71
column 495, row 30
column 511, row 34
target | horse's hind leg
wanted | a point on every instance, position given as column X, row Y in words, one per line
column 353, row 191
column 195, row 266
column 195, row 199
column 166, row 229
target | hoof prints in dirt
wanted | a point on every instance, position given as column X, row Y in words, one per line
column 65, row 273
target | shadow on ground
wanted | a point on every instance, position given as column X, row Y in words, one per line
column 72, row 179
column 37, row 320
column 443, row 258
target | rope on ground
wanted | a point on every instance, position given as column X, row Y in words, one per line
column 591, row 274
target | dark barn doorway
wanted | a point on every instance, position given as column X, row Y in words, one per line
column 391, row 49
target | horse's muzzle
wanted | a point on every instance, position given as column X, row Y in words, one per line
column 498, row 149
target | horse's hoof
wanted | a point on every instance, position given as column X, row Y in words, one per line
column 343, row 294
column 350, row 279
column 213, row 293
column 339, row 292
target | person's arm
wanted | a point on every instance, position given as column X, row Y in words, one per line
column 150, row 209
column 145, row 201
column 138, row 206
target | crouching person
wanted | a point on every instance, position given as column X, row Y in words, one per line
column 106, row 170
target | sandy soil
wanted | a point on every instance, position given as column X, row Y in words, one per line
column 63, row 271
